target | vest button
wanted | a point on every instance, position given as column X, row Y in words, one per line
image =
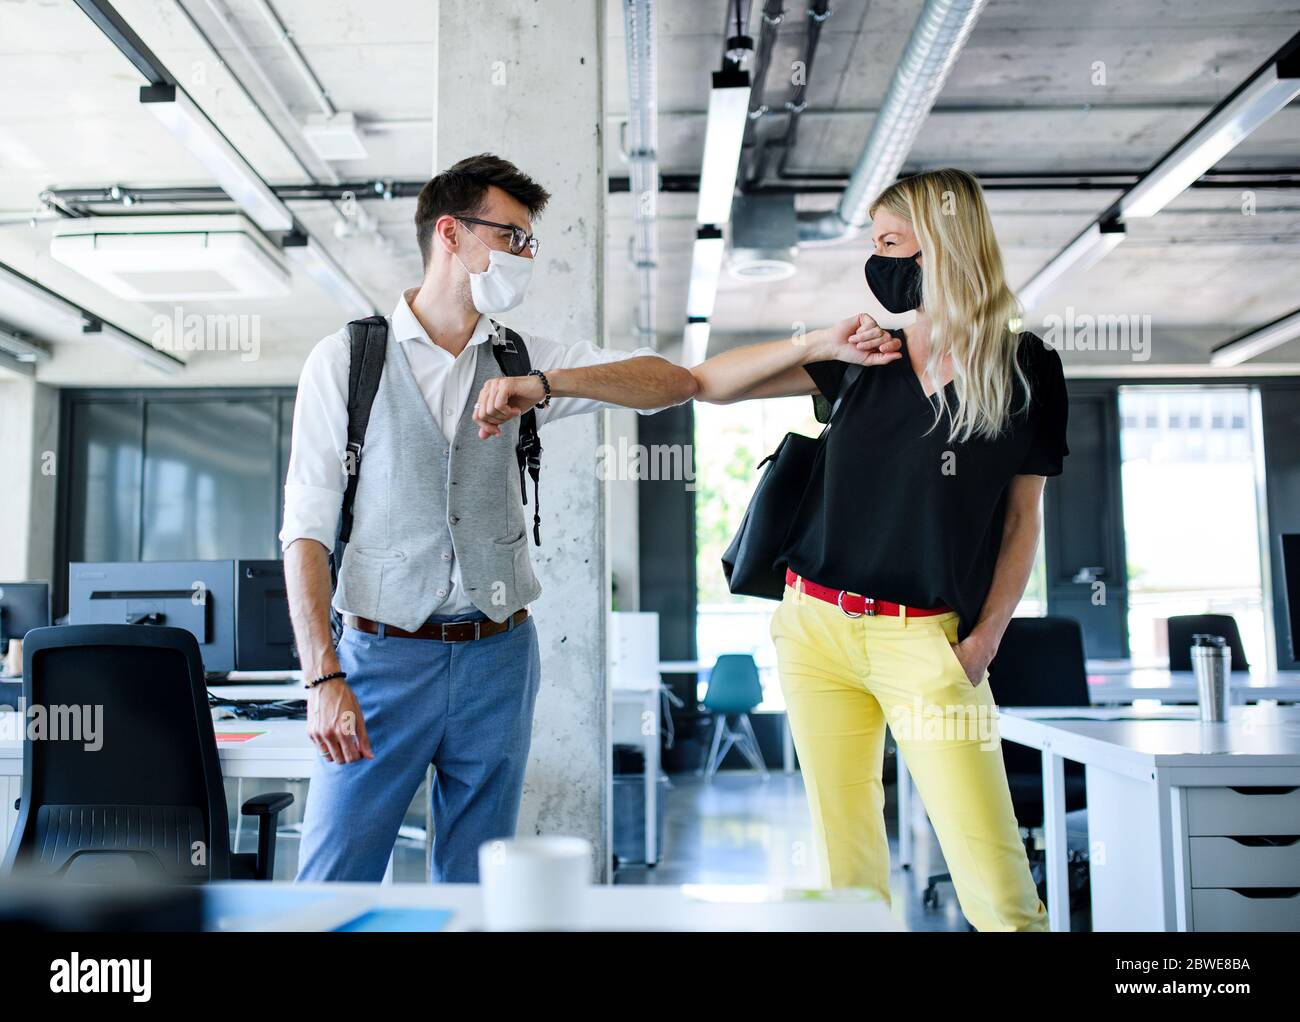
column 455, row 519
column 442, row 592
column 446, row 556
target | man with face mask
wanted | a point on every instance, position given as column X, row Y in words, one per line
column 439, row 660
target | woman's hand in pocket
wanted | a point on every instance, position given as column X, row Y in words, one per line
column 974, row 655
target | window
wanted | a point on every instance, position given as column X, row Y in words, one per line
column 1191, row 520
column 730, row 441
column 172, row 475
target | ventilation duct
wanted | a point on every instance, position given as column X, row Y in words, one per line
column 935, row 44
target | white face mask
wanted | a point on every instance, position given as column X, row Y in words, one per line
column 501, row 286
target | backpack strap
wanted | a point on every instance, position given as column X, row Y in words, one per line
column 512, row 357
column 368, row 342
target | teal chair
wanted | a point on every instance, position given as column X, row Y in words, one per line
column 734, row 690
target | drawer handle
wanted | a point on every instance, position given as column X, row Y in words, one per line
column 1266, row 841
column 1276, row 893
column 1265, row 790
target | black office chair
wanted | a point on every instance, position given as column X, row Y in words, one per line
column 145, row 800
column 1039, row 663
column 1183, row 626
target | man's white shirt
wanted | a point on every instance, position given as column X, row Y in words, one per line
column 317, row 477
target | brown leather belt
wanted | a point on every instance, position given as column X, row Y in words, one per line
column 450, row 631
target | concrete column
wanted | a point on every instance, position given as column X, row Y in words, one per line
column 522, row 79
column 29, row 425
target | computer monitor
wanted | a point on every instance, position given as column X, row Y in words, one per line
column 1291, row 569
column 198, row 596
column 263, row 631
column 23, row 606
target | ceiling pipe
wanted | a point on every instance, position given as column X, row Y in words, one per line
column 937, row 40
column 643, row 160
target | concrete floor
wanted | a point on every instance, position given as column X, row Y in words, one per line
column 741, row 829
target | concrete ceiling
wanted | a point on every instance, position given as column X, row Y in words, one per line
column 374, row 58
column 1020, row 100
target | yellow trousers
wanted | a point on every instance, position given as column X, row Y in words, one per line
column 844, row 680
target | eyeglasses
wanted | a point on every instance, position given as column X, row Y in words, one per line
column 518, row 239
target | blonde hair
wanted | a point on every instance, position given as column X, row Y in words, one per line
column 974, row 315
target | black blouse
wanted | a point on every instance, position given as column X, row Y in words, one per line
column 895, row 511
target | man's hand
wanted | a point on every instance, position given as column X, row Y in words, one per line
column 504, row 398
column 974, row 655
column 335, row 723
column 858, row 339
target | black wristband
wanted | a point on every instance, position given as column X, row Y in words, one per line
column 326, row 677
column 546, row 386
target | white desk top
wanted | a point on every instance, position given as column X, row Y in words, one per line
column 273, row 739
column 623, row 907
column 1256, row 736
column 1113, row 682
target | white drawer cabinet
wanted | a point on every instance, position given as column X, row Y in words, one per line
column 1222, row 909
column 1243, row 811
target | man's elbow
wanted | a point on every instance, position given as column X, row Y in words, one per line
column 684, row 385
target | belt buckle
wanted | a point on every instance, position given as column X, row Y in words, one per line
column 839, row 602
column 478, row 629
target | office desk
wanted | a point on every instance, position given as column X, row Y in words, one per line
column 1167, row 807
column 1120, row 687
column 643, row 730
column 622, row 907
column 1112, row 683
column 278, row 750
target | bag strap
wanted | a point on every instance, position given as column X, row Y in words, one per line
column 512, row 356
column 368, row 340
column 850, row 375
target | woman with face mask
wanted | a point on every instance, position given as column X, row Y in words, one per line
column 914, row 540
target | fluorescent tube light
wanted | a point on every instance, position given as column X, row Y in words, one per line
column 706, row 269
column 318, row 264
column 724, row 134
column 137, row 347
column 695, row 342
column 1258, row 341
column 1080, row 254
column 23, row 298
column 21, row 348
column 1259, row 98
column 204, row 140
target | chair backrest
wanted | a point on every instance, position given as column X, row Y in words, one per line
column 1040, row 663
column 1183, row 626
column 734, row 685
column 125, row 781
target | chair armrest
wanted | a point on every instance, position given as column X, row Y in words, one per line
column 267, row 808
column 268, row 804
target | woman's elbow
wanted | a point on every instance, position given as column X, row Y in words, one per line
column 685, row 384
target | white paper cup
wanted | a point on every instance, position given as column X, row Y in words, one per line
column 535, row 883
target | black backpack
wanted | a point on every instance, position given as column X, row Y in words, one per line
column 369, row 342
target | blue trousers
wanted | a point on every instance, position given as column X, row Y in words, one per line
column 465, row 707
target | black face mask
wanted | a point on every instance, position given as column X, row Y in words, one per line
column 895, row 281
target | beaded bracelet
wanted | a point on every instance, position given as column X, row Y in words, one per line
column 324, row 678
column 546, row 386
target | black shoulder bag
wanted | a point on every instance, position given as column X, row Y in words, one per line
column 750, row 562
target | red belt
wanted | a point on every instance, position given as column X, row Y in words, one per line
column 854, row 605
